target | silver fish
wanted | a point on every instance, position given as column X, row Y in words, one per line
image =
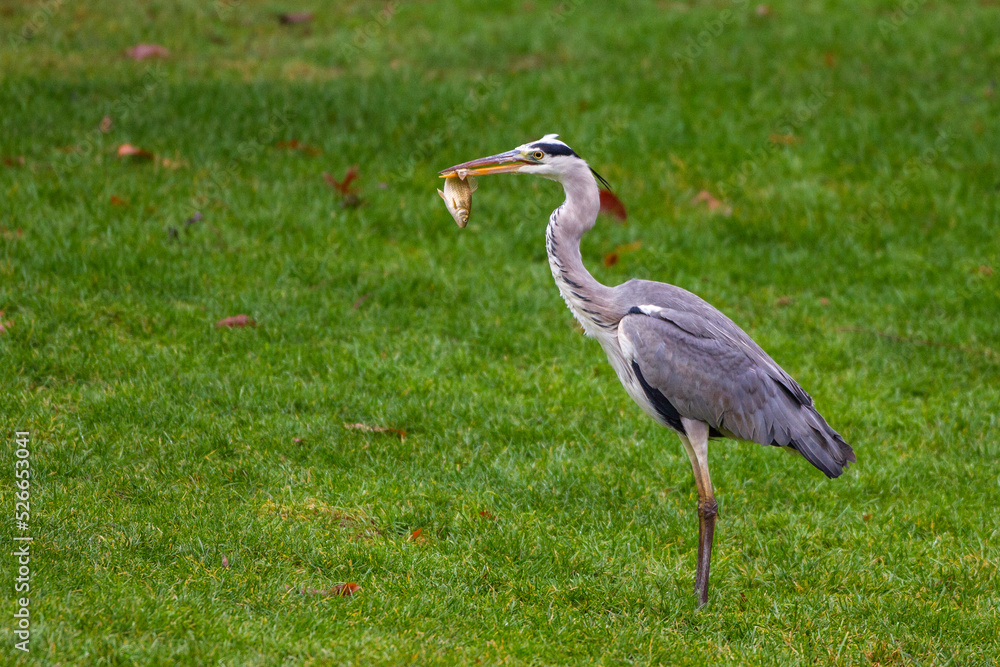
column 457, row 197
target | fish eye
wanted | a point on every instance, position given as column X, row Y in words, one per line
column 538, row 155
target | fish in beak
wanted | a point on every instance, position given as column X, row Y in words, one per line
column 457, row 197
column 502, row 163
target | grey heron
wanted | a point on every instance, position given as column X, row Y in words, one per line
column 687, row 365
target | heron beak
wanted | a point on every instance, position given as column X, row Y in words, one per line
column 502, row 163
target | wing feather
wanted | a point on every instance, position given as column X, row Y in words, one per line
column 712, row 371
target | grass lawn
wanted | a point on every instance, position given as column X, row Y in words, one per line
column 197, row 491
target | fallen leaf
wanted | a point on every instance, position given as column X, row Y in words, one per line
column 866, row 517
column 118, row 201
column 293, row 18
column 105, row 125
column 361, row 300
column 823, row 301
column 225, row 561
column 344, row 186
column 16, row 161
column 345, row 590
column 10, row 235
column 984, row 270
column 612, row 205
column 416, row 535
column 783, row 139
column 830, row 59
column 378, row 429
column 296, row 145
column 130, row 151
column 194, row 218
column 143, row 51
column 763, row 10
column 712, row 203
column 235, row 321
column 486, row 514
column 612, row 257
column 783, row 301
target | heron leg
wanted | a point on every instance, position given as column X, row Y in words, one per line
column 696, row 446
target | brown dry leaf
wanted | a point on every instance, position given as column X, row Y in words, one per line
column 344, row 186
column 984, row 270
column 296, row 145
column 378, row 429
column 486, row 514
column 361, row 299
column 345, row 590
column 134, row 152
column 783, row 301
column 143, row 51
column 293, row 18
column 830, row 59
column 225, row 561
column 16, row 161
column 106, row 124
column 10, row 235
column 866, row 517
column 417, row 535
column 118, row 201
column 783, row 139
column 236, row 321
column 823, row 301
column 613, row 206
column 714, row 205
column 612, row 257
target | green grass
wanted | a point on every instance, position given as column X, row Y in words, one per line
column 557, row 523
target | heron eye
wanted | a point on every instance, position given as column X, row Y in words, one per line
column 538, row 155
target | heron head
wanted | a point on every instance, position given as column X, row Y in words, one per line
column 548, row 157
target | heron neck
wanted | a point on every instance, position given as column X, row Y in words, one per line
column 589, row 300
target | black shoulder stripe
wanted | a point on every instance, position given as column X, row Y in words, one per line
column 663, row 407
column 635, row 310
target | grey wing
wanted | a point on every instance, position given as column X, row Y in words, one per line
column 700, row 365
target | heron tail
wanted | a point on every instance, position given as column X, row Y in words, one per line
column 820, row 444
